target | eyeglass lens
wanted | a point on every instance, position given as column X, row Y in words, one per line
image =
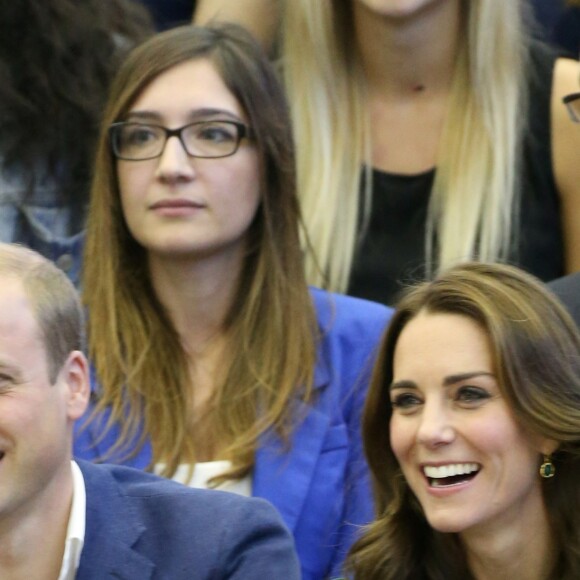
column 575, row 108
column 573, row 104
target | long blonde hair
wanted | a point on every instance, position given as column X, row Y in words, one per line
column 471, row 212
column 140, row 363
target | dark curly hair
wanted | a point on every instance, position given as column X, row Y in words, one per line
column 57, row 58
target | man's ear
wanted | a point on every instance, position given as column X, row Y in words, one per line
column 75, row 374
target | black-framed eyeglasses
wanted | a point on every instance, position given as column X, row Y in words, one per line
column 572, row 103
column 133, row 141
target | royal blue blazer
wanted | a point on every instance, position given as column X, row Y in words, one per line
column 320, row 484
column 143, row 527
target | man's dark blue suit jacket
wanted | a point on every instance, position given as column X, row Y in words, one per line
column 141, row 527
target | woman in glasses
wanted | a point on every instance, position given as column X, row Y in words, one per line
column 428, row 132
column 215, row 365
column 472, row 431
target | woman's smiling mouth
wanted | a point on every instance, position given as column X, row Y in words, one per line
column 450, row 474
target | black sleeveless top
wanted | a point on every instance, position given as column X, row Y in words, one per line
column 392, row 254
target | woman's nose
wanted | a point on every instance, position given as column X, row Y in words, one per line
column 436, row 426
column 174, row 162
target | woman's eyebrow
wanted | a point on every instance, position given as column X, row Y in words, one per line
column 194, row 115
column 404, row 384
column 144, row 116
column 211, row 112
column 452, row 379
column 447, row 381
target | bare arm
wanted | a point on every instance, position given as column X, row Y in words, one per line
column 566, row 158
column 260, row 17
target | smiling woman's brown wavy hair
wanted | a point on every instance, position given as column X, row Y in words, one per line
column 535, row 347
column 271, row 329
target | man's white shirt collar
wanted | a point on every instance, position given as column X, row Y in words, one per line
column 75, row 532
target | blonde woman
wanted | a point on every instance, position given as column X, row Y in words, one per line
column 214, row 363
column 446, row 109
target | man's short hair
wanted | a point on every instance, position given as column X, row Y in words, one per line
column 54, row 300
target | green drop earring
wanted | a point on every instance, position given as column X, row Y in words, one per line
column 547, row 468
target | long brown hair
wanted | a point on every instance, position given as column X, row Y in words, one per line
column 536, row 350
column 271, row 329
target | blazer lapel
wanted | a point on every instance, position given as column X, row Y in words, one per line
column 116, row 559
column 283, row 475
column 112, row 530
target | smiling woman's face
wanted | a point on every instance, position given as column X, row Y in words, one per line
column 466, row 459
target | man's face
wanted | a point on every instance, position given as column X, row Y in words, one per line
column 36, row 417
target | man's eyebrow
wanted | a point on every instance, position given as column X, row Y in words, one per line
column 447, row 381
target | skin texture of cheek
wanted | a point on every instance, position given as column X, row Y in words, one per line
column 221, row 223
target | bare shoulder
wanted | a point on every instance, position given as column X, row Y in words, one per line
column 565, row 133
column 566, row 157
column 566, row 77
column 566, row 80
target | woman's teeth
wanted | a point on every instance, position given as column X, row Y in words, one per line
column 445, row 475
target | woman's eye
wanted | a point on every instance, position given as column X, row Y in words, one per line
column 139, row 136
column 472, row 395
column 215, row 133
column 405, row 401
